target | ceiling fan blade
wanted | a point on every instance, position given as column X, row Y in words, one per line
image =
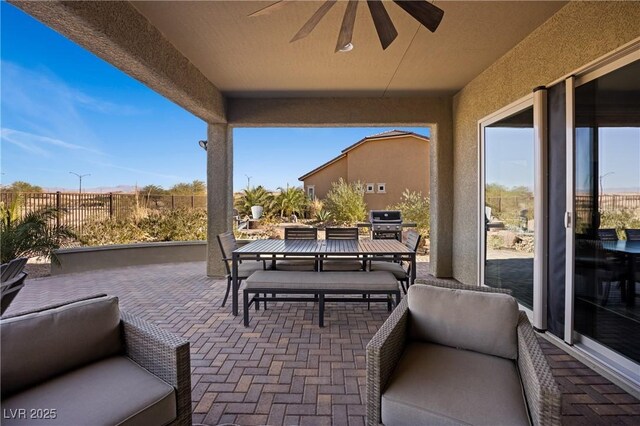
column 424, row 12
column 381, row 20
column 346, row 29
column 270, row 9
column 314, row 20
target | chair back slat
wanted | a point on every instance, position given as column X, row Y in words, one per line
column 413, row 240
column 632, row 234
column 10, row 291
column 13, row 268
column 228, row 244
column 608, row 234
column 297, row 233
column 341, row 233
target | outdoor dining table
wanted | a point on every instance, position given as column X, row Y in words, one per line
column 271, row 249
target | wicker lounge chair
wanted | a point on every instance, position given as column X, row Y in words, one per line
column 440, row 359
column 90, row 363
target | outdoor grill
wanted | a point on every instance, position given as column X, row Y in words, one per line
column 386, row 224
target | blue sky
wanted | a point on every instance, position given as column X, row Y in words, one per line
column 64, row 109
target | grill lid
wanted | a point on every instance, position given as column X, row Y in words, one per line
column 385, row 216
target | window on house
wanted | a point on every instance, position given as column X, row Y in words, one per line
column 382, row 188
column 311, row 192
column 370, row 187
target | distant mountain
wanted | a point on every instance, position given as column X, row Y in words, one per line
column 122, row 189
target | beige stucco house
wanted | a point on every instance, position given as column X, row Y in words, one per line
column 375, row 161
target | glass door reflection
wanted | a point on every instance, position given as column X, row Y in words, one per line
column 509, row 200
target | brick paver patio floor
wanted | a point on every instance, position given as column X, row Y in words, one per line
column 284, row 369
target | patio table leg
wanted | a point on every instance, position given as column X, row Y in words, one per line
column 234, row 285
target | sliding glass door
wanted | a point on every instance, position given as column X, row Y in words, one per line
column 606, row 265
column 509, row 222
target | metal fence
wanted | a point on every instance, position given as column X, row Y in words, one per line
column 607, row 202
column 76, row 210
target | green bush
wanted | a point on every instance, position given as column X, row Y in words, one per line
column 256, row 196
column 620, row 220
column 176, row 225
column 112, row 231
column 415, row 208
column 345, row 202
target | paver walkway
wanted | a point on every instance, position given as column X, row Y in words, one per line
column 284, row 369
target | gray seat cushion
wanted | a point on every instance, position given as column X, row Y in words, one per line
column 439, row 385
column 248, row 267
column 342, row 265
column 113, row 391
column 395, row 268
column 296, row 265
column 289, row 280
column 41, row 345
column 481, row 322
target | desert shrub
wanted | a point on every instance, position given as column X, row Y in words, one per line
column 620, row 220
column 345, row 202
column 495, row 242
column 176, row 225
column 314, row 206
column 323, row 216
column 415, row 208
column 112, row 231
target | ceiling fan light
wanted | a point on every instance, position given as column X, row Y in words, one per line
column 346, row 48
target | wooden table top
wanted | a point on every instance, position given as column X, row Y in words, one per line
column 317, row 247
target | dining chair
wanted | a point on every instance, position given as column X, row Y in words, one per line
column 342, row 263
column 608, row 234
column 228, row 244
column 412, row 241
column 292, row 263
column 632, row 234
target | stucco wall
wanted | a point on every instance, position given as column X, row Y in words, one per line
column 323, row 179
column 578, row 34
column 400, row 163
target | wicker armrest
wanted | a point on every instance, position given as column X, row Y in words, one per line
column 449, row 283
column 540, row 388
column 163, row 354
column 383, row 353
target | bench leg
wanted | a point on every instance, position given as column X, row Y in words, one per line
column 246, row 308
column 321, row 313
column 398, row 298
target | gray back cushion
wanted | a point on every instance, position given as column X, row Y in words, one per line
column 481, row 322
column 41, row 345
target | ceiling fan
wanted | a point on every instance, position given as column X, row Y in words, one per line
column 423, row 11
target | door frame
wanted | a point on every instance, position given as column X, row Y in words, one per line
column 539, row 273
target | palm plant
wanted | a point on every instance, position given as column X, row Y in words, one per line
column 29, row 235
column 291, row 200
column 255, row 196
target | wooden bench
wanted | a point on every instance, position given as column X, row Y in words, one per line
column 319, row 284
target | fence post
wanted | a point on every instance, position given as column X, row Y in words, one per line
column 173, row 202
column 58, row 209
column 110, row 205
column 192, row 201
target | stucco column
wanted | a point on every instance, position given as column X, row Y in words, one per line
column 219, row 192
column 441, row 196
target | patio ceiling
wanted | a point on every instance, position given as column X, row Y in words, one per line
column 252, row 57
